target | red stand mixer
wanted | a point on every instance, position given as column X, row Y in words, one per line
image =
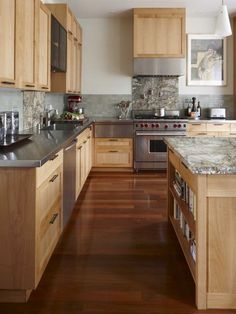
column 73, row 104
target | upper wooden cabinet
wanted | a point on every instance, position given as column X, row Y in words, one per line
column 44, row 41
column 159, row 33
column 26, row 21
column 7, row 40
column 25, row 45
column 70, row 81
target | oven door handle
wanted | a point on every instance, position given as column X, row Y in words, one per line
column 161, row 134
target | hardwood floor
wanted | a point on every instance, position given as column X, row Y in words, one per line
column 118, row 255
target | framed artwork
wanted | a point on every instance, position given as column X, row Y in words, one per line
column 206, row 60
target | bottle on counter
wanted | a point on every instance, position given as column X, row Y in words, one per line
column 198, row 110
column 194, row 108
column 189, row 109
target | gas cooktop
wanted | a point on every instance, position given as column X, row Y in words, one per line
column 154, row 117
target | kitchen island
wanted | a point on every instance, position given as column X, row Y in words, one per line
column 202, row 211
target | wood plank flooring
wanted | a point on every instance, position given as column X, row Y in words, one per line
column 118, row 255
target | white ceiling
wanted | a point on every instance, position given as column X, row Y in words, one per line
column 116, row 8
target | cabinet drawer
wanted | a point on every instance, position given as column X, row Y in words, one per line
column 83, row 136
column 47, row 237
column 42, row 173
column 48, row 193
column 114, row 159
column 196, row 127
column 218, row 127
column 111, row 143
column 193, row 134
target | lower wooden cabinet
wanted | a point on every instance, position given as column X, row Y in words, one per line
column 84, row 149
column 212, row 129
column 113, row 152
column 30, row 225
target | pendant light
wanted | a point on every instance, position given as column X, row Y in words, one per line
column 223, row 27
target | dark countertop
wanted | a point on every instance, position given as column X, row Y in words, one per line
column 35, row 151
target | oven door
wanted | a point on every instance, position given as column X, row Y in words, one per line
column 150, row 146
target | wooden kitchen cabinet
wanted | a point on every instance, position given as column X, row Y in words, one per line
column 7, row 40
column 205, row 230
column 84, row 153
column 159, row 33
column 215, row 129
column 44, row 42
column 70, row 81
column 113, row 152
column 26, row 32
column 30, row 225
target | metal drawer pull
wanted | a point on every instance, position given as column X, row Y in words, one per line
column 88, row 137
column 79, row 147
column 85, row 142
column 196, row 124
column 54, row 217
column 9, row 83
column 29, row 85
column 218, row 124
column 70, row 32
column 53, row 178
column 184, row 165
column 202, row 133
column 44, row 87
column 113, row 151
column 113, row 140
column 54, row 157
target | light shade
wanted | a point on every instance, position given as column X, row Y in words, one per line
column 223, row 27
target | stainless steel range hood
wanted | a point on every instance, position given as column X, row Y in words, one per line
column 159, row 66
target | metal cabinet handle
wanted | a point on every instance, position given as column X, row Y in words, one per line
column 202, row 133
column 53, row 178
column 113, row 140
column 88, row 137
column 55, row 43
column 85, row 142
column 218, row 124
column 54, row 217
column 29, row 85
column 54, row 157
column 113, row 151
column 43, row 87
column 194, row 124
column 79, row 147
column 8, row 83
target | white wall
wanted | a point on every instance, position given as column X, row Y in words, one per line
column 107, row 57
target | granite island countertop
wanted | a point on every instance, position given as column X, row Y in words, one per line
column 208, row 155
column 34, row 152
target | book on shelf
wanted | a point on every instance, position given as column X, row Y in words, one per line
column 176, row 210
column 193, row 250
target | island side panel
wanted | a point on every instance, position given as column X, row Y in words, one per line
column 221, row 242
column 17, row 225
column 201, row 238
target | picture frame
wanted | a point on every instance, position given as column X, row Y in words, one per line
column 206, row 60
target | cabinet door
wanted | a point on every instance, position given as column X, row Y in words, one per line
column 78, row 170
column 83, row 163
column 55, row 43
column 159, row 33
column 69, row 72
column 44, row 39
column 63, row 49
column 78, row 67
column 7, row 40
column 25, row 43
column 48, row 217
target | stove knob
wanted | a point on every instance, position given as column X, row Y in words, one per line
column 157, row 125
column 141, row 125
column 179, row 125
column 184, row 125
column 175, row 125
column 153, row 125
column 146, row 125
column 137, row 125
column 166, row 126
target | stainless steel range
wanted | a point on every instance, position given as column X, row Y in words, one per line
column 150, row 151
